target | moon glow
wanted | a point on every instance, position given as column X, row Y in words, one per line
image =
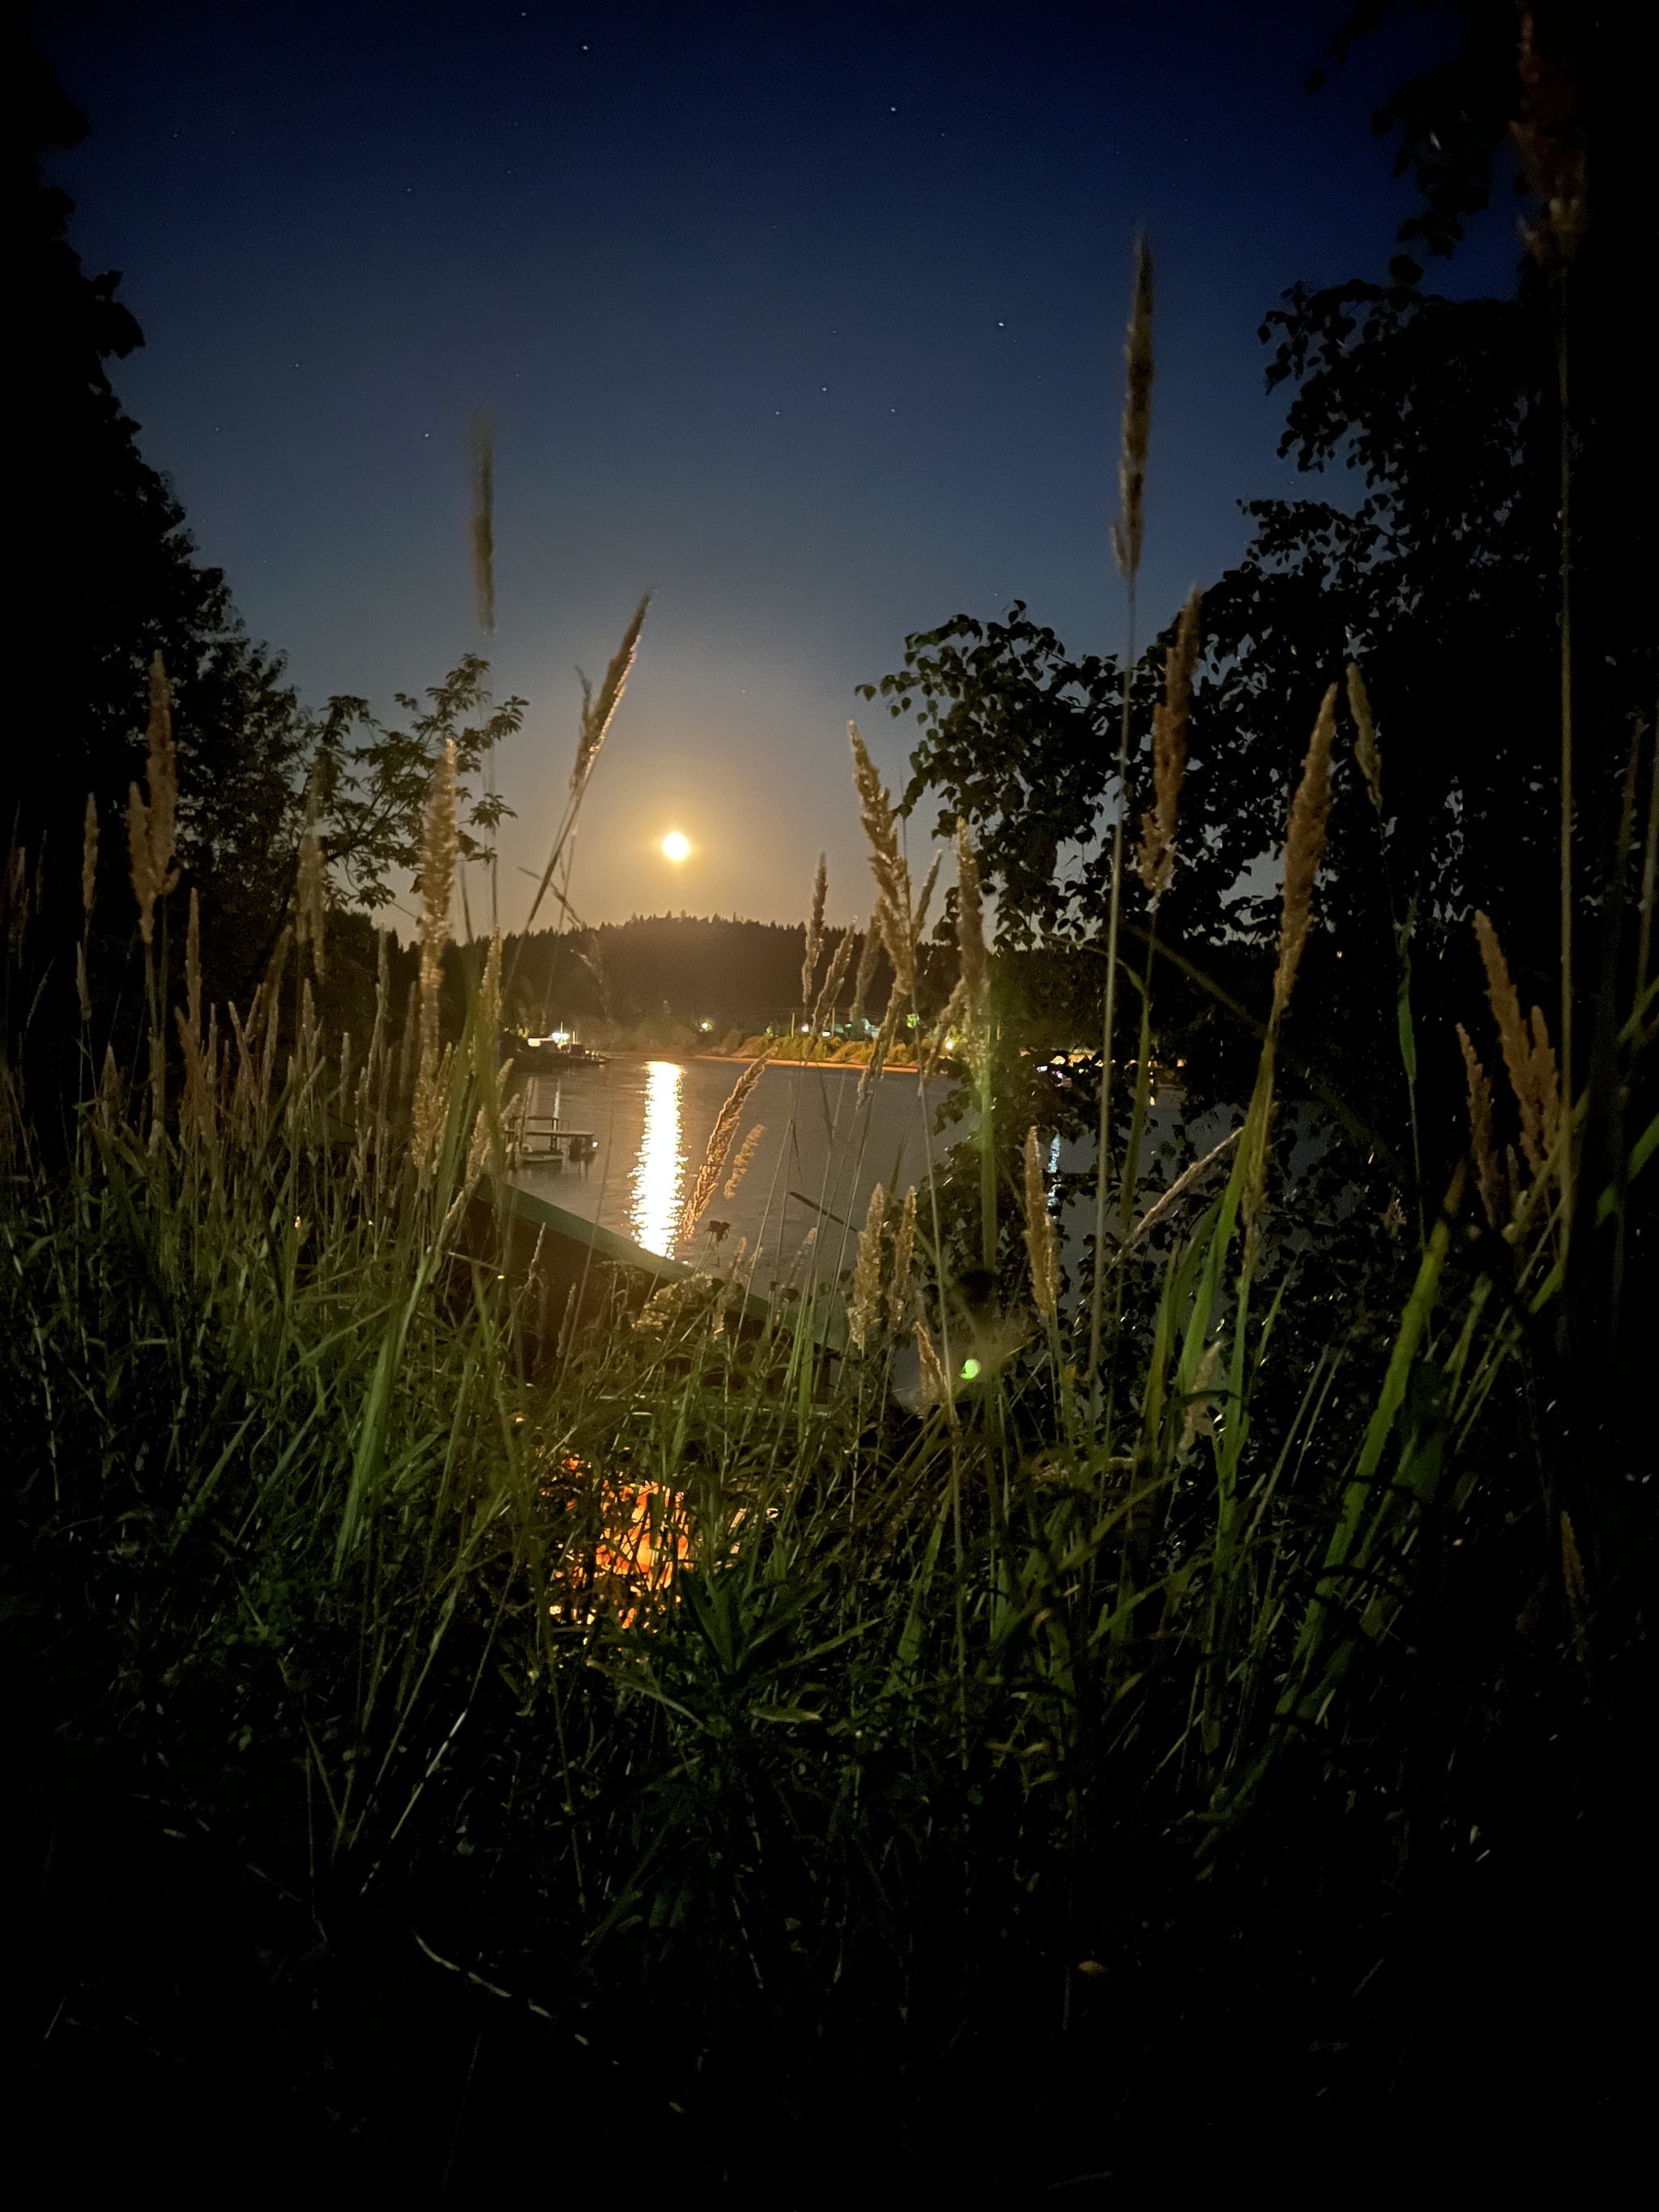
column 675, row 846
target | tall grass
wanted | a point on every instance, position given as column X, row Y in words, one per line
column 734, row 1641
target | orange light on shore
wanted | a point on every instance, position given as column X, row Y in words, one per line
column 629, row 1560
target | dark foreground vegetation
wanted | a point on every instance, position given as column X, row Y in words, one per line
column 995, row 1724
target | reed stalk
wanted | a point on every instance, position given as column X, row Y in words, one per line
column 1128, row 533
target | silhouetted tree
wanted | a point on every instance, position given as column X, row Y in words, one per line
column 1444, row 581
column 105, row 575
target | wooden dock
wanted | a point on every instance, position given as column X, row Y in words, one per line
column 544, row 1136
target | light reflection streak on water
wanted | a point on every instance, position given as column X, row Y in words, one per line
column 655, row 1187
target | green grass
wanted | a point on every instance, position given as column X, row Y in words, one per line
column 355, row 1578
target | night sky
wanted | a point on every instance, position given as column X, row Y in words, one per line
column 807, row 321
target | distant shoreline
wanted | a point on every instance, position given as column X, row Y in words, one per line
column 748, row 1059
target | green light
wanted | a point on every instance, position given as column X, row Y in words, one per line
column 970, row 1369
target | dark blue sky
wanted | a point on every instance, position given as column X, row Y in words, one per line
column 808, row 321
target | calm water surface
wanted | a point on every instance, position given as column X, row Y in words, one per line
column 817, row 1163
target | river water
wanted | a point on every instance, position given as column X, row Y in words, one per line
column 819, row 1162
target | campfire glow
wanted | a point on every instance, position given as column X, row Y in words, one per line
column 644, row 1537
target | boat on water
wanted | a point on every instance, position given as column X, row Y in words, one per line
column 547, row 1055
column 568, row 1274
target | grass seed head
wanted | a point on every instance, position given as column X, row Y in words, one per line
column 1304, row 848
column 311, row 896
column 865, row 1306
column 1489, row 1176
column 1549, row 138
column 809, row 966
column 745, row 1158
column 720, row 1143
column 152, row 819
column 824, row 1011
column 974, row 958
column 484, row 521
column 868, row 953
column 1528, row 1056
column 1546, row 1081
column 886, row 865
column 879, row 1050
column 904, row 1248
column 1365, row 744
column 1199, row 1419
column 1041, row 1242
column 439, row 851
column 1129, row 531
column 89, row 858
column 932, row 1044
column 935, row 1383
column 598, row 711
column 1169, row 719
column 920, row 921
column 970, row 926
column 193, row 965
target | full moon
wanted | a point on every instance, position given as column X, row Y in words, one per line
column 675, row 846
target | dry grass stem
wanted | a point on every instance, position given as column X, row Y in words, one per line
column 932, row 1044
column 919, row 921
column 311, row 896
column 935, row 1383
column 310, row 1036
column 490, row 998
column 1578, row 1588
column 1489, row 1176
column 883, row 1046
column 1304, row 848
column 438, row 856
column 1169, row 719
column 674, row 1301
column 1545, row 1080
column 745, row 1158
column 868, row 953
column 89, row 858
column 408, row 1044
column 193, row 966
column 1553, row 157
column 1041, row 1245
column 110, row 1099
column 1252, row 1200
column 152, row 819
column 599, row 712
column 195, row 1105
column 886, row 865
column 1128, row 533
column 1186, row 1181
column 267, row 1010
column 492, row 1080
column 809, row 966
column 484, row 521
column 1365, row 744
column 720, row 1143
column 825, row 1009
column 865, row 1306
column 1198, row 1419
column 971, row 950
column 1528, row 1057
column 904, row 1248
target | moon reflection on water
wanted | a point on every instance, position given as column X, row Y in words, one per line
column 655, row 1195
